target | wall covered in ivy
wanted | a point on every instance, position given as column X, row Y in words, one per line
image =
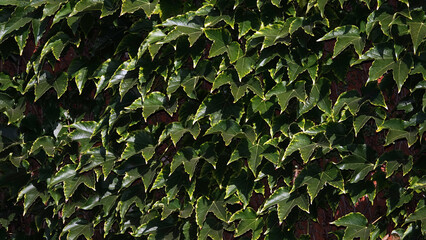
column 212, row 119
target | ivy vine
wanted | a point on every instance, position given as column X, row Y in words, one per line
column 213, row 119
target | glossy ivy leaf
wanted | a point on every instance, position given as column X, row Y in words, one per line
column 176, row 130
column 78, row 227
column 351, row 99
column 315, row 178
column 381, row 17
column 299, row 63
column 245, row 65
column 131, row 6
column 184, row 25
column 418, row 214
column 30, row 193
column 99, row 157
column 243, row 185
column 255, row 156
column 249, row 221
column 357, row 226
column 417, row 29
column 227, row 128
column 302, row 143
column 47, row 143
column 397, row 131
column 398, row 198
column 217, row 108
column 345, row 36
column 285, row 202
column 211, row 228
column 189, row 158
column 71, row 184
column 273, row 33
column 83, row 133
column 383, row 56
column 359, row 162
column 139, row 142
column 222, row 44
column 321, row 6
column 86, row 5
column 19, row 18
column 261, row 105
column 153, row 102
column 205, row 206
column 285, row 94
column 401, row 69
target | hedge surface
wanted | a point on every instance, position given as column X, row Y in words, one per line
column 221, row 119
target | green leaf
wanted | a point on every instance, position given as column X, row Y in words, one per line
column 188, row 157
column 30, row 194
column 211, row 228
column 284, row 94
column 302, row 143
column 55, row 45
column 261, row 105
column 79, row 70
column 71, row 184
column 255, row 156
column 417, row 30
column 204, row 206
column 83, row 133
column 66, row 172
column 345, row 36
column 396, row 134
column 183, row 26
column 383, row 56
column 243, row 185
column 139, row 142
column 78, row 227
column 358, row 162
column 104, row 73
column 356, row 226
column 286, row 201
column 45, row 142
column 273, row 33
column 402, row 69
column 176, row 130
column 321, row 6
column 359, row 122
column 19, row 18
column 99, row 157
column 227, row 128
column 42, row 85
column 131, row 6
column 221, row 39
column 398, row 198
column 301, row 62
column 244, row 66
column 315, row 178
column 351, row 99
column 222, row 43
column 60, row 85
column 248, row 221
column 153, row 102
column 21, row 40
column 418, row 215
column 218, row 108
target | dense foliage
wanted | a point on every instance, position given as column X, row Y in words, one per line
column 186, row 119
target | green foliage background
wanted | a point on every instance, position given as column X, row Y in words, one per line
column 190, row 119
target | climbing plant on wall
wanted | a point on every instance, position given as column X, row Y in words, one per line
column 221, row 119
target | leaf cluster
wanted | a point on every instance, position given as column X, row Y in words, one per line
column 188, row 119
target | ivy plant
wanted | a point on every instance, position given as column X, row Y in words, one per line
column 212, row 119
